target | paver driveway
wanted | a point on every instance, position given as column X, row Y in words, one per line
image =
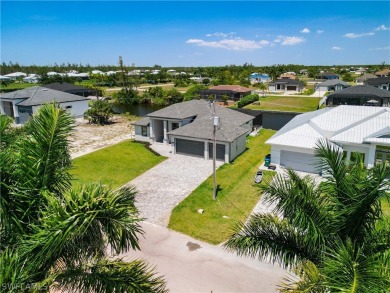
column 161, row 188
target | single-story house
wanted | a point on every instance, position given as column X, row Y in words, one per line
column 361, row 129
column 384, row 72
column 360, row 95
column 233, row 92
column 332, row 85
column 16, row 75
column 379, row 82
column 21, row 104
column 259, row 78
column 286, row 85
column 328, row 75
column 32, row 78
column 362, row 79
column 71, row 89
column 189, row 128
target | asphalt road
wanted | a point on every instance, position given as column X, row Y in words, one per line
column 193, row 266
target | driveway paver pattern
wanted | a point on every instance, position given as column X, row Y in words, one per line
column 164, row 186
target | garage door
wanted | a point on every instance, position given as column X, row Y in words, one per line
column 291, row 88
column 220, row 151
column 190, row 147
column 298, row 161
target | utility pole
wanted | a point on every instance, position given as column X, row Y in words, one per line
column 216, row 124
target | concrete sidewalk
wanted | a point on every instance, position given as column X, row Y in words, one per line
column 190, row 265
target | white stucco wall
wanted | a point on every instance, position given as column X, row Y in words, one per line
column 78, row 107
column 138, row 134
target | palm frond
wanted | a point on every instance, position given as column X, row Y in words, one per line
column 109, row 276
column 306, row 279
column 82, row 224
column 346, row 268
column 267, row 237
column 44, row 158
column 300, row 202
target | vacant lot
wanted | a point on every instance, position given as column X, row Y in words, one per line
column 115, row 165
column 236, row 199
column 286, row 103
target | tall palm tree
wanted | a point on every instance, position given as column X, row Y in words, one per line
column 56, row 236
column 331, row 235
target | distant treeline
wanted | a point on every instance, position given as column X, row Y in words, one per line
column 236, row 71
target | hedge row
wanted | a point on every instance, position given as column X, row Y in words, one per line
column 249, row 99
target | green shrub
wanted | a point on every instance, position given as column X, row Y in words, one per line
column 249, row 99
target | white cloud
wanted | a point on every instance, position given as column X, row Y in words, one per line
column 354, row 36
column 220, row 35
column 320, row 32
column 379, row 49
column 382, row 28
column 336, row 48
column 305, row 31
column 290, row 40
column 236, row 44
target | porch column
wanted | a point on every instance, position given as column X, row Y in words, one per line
column 1, row 108
column 206, row 150
column 151, row 135
column 16, row 113
column 165, row 132
column 348, row 155
column 370, row 158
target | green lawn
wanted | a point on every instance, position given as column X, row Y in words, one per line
column 286, row 103
column 17, row 86
column 236, row 199
column 115, row 165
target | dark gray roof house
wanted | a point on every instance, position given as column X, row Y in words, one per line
column 188, row 127
column 328, row 75
column 21, row 104
column 361, row 95
column 379, row 82
column 71, row 89
column 285, row 85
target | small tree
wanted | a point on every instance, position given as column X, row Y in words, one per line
column 100, row 112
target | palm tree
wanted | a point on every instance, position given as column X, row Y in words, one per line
column 331, row 235
column 53, row 236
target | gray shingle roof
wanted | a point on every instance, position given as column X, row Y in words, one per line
column 378, row 80
column 366, row 76
column 37, row 95
column 232, row 123
column 362, row 90
column 331, row 82
column 142, row 122
column 67, row 87
column 287, row 81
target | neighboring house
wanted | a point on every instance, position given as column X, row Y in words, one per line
column 328, row 75
column 71, row 89
column 16, row 75
column 288, row 76
column 360, row 95
column 259, row 78
column 21, row 104
column 332, row 85
column 379, row 82
column 362, row 79
column 384, row 72
column 286, row 85
column 233, row 92
column 365, row 130
column 188, row 127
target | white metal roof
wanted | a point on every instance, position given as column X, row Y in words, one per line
column 343, row 124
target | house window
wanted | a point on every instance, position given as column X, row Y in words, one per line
column 175, row 126
column 68, row 107
column 144, row 130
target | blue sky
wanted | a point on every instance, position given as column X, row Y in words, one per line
column 198, row 33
